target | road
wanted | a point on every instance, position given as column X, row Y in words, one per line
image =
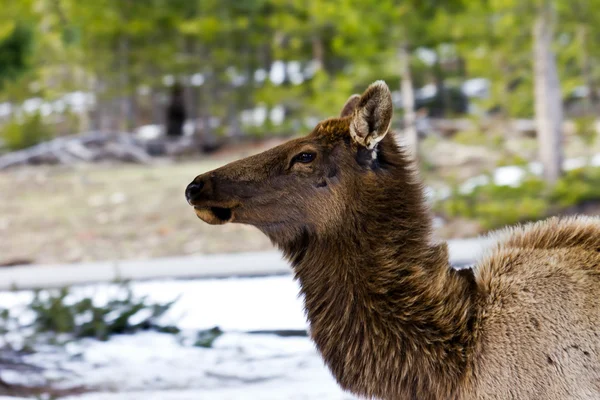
column 462, row 253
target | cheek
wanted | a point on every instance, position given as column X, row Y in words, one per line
column 309, row 177
column 303, row 191
column 327, row 208
column 326, row 178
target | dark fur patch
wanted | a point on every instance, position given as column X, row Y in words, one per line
column 364, row 157
column 535, row 323
column 333, row 171
column 296, row 251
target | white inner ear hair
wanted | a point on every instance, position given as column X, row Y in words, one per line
column 359, row 124
column 372, row 138
column 370, row 141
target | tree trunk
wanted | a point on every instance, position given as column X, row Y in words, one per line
column 586, row 69
column 441, row 106
column 318, row 53
column 156, row 107
column 191, row 91
column 84, row 118
column 176, row 112
column 126, row 101
column 190, row 95
column 408, row 101
column 233, row 121
column 548, row 98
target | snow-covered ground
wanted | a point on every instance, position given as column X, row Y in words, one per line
column 240, row 365
column 152, row 365
column 233, row 304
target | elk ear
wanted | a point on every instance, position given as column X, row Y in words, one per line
column 372, row 116
column 350, row 105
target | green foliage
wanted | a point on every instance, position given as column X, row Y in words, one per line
column 116, row 47
column 82, row 318
column 494, row 206
column 270, row 130
column 58, row 317
column 28, row 132
column 512, row 159
column 471, row 138
column 576, row 187
column 585, row 128
column 15, row 50
column 207, row 337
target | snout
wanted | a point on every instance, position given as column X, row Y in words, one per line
column 207, row 205
column 194, row 191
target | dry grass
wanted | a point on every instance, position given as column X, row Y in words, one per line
column 110, row 212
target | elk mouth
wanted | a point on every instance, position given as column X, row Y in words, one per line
column 214, row 215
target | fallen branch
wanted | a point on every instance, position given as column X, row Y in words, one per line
column 89, row 147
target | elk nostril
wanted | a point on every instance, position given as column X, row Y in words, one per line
column 199, row 184
column 193, row 190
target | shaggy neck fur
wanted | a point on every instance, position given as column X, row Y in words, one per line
column 390, row 317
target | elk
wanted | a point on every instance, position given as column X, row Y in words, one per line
column 389, row 315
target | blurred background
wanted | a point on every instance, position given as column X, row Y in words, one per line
column 112, row 289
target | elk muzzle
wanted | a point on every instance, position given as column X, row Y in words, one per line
column 200, row 194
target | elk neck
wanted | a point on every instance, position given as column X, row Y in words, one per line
column 386, row 310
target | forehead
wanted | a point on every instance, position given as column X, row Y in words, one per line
column 326, row 134
column 331, row 130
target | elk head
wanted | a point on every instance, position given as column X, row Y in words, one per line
column 307, row 184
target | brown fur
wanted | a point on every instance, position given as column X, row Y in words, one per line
column 389, row 315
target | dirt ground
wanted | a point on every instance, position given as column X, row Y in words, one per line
column 51, row 214
column 110, row 212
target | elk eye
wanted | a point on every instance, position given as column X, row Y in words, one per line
column 305, row 157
